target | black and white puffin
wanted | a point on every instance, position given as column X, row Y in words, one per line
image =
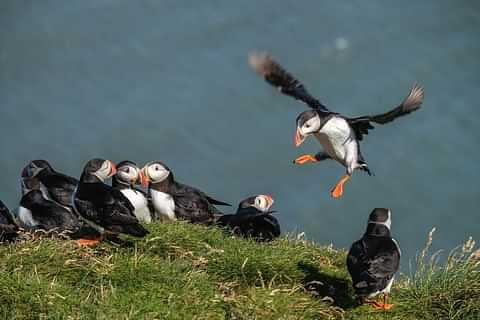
column 8, row 227
column 55, row 185
column 102, row 205
column 37, row 212
column 253, row 219
column 339, row 136
column 374, row 259
column 172, row 200
column 128, row 175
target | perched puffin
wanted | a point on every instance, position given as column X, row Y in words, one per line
column 339, row 136
column 55, row 185
column 374, row 259
column 8, row 227
column 36, row 212
column 253, row 219
column 128, row 175
column 172, row 200
column 102, row 205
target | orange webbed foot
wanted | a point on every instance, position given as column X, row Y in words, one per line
column 304, row 159
column 337, row 191
column 88, row 242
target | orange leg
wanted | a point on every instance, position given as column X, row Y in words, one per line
column 305, row 158
column 89, row 242
column 383, row 305
column 337, row 191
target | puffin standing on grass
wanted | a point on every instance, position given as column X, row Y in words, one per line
column 55, row 185
column 128, row 175
column 374, row 259
column 8, row 227
column 339, row 136
column 172, row 200
column 102, row 205
column 253, row 219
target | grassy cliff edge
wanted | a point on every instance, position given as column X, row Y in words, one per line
column 183, row 271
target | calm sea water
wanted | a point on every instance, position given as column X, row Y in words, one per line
column 168, row 80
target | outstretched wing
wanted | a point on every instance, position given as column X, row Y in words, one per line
column 278, row 77
column 412, row 102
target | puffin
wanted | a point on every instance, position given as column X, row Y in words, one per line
column 253, row 219
column 55, row 185
column 128, row 175
column 8, row 227
column 103, row 206
column 373, row 260
column 172, row 200
column 339, row 135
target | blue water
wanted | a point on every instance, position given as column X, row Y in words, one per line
column 169, row 80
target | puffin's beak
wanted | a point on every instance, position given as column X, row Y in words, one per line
column 113, row 168
column 299, row 138
column 139, row 178
column 269, row 200
column 144, row 178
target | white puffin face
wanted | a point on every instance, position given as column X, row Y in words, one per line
column 129, row 174
column 263, row 202
column 156, row 172
column 310, row 126
column 105, row 171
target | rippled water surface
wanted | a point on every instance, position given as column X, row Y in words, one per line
column 168, row 80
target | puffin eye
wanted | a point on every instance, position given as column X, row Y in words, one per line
column 127, row 170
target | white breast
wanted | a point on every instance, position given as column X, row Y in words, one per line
column 140, row 203
column 26, row 218
column 163, row 204
column 338, row 140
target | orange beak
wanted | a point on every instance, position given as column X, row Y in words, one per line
column 144, row 178
column 298, row 138
column 113, row 168
column 140, row 178
column 269, row 200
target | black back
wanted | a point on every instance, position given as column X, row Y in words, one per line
column 373, row 260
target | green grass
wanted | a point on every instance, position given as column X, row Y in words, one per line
column 184, row 271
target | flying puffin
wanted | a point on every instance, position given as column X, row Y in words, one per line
column 55, row 185
column 128, row 175
column 8, row 227
column 339, row 136
column 253, row 219
column 102, row 205
column 374, row 259
column 36, row 212
column 172, row 200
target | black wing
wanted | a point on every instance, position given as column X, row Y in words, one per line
column 61, row 187
column 194, row 207
column 185, row 189
column 412, row 102
column 278, row 77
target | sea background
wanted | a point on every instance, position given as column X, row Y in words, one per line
column 169, row 80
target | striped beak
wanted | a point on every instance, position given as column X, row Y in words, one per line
column 299, row 138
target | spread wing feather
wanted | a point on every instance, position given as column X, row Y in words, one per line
column 412, row 102
column 278, row 77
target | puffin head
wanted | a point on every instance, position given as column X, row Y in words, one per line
column 35, row 167
column 260, row 202
column 128, row 173
column 100, row 168
column 308, row 122
column 381, row 216
column 155, row 172
column 29, row 184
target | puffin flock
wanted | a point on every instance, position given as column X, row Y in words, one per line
column 89, row 210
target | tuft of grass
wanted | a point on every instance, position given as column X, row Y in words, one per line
column 184, row 271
